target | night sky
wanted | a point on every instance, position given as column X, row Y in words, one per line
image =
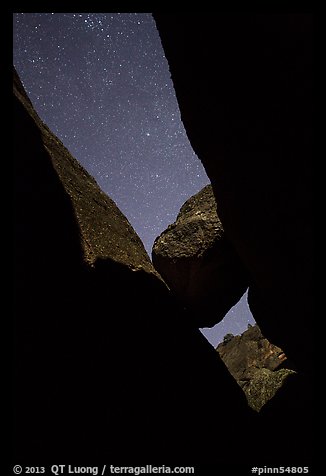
column 101, row 82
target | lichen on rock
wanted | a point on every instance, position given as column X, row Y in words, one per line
column 254, row 362
column 263, row 386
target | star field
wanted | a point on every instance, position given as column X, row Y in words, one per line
column 101, row 82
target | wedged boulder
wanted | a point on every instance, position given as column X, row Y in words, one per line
column 254, row 363
column 198, row 262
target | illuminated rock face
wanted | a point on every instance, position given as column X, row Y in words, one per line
column 198, row 262
column 254, row 362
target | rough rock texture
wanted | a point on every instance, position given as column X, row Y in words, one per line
column 244, row 85
column 104, row 231
column 198, row 262
column 104, row 365
column 263, row 386
column 253, row 361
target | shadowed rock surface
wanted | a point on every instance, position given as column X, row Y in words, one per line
column 254, row 362
column 104, row 366
column 244, row 85
column 198, row 262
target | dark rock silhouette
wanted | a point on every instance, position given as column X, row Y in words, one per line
column 244, row 87
column 107, row 366
column 255, row 364
column 198, row 262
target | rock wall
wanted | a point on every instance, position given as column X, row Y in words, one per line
column 76, row 260
column 244, row 86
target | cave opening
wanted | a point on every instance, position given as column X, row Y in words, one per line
column 235, row 322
